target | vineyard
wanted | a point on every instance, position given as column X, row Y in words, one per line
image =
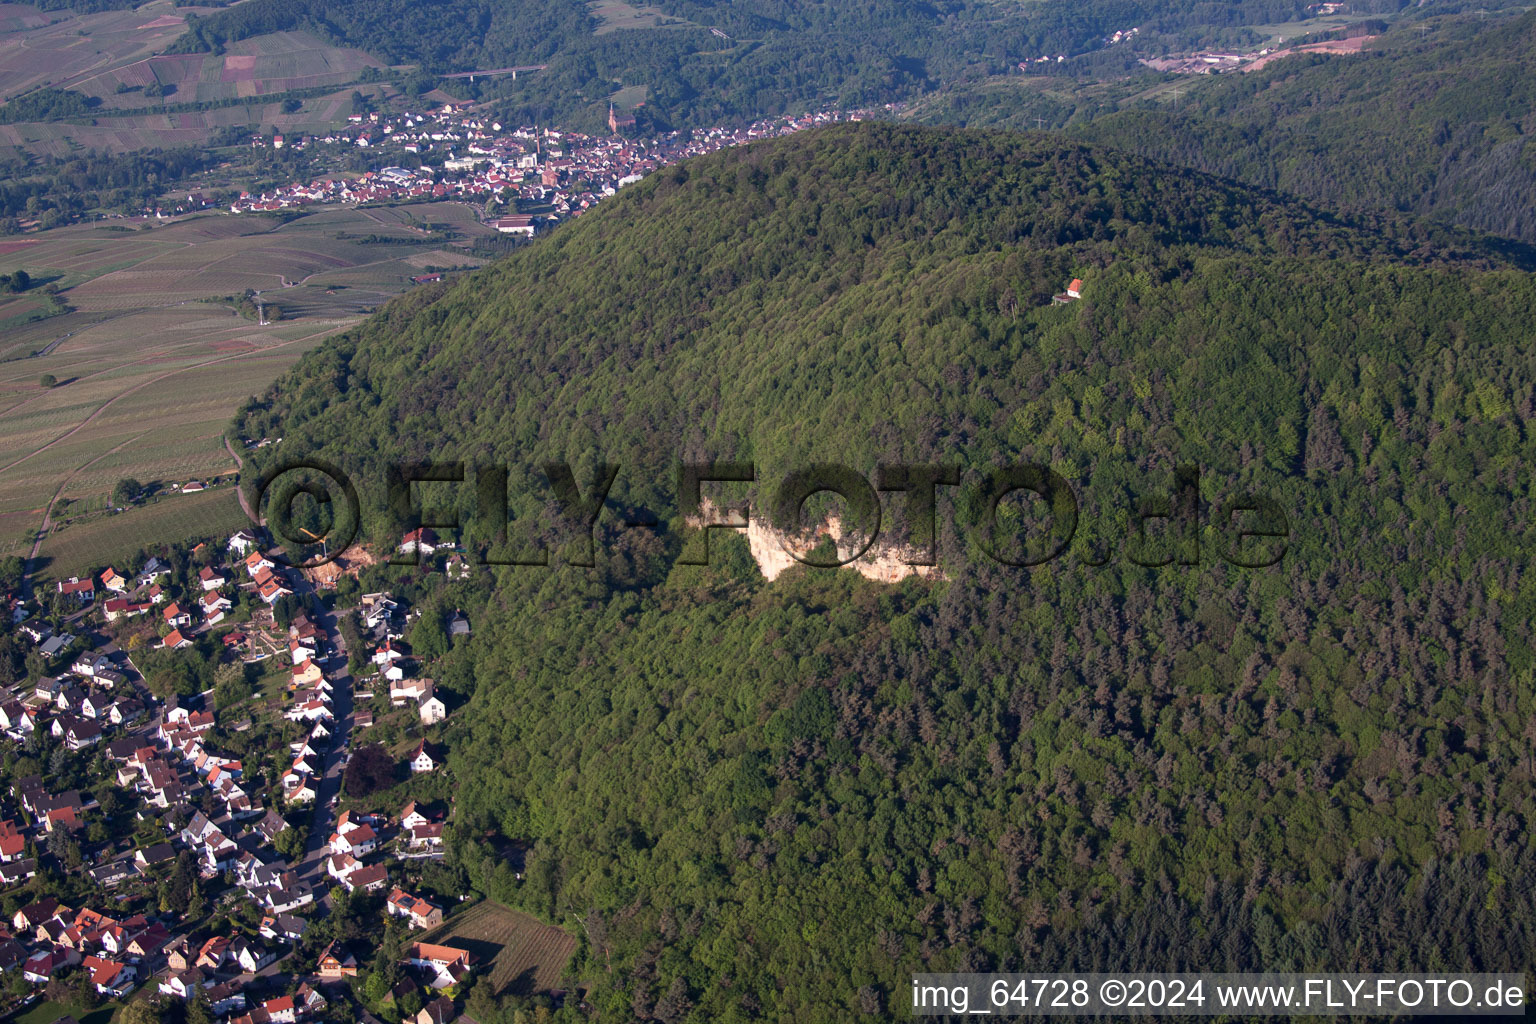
column 524, row 955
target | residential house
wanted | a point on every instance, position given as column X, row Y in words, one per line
column 77, row 733
column 389, row 652
column 13, row 845
column 55, row 645
column 148, row 943
column 369, row 878
column 122, row 608
column 422, row 759
column 307, row 673
column 156, row 855
column 250, row 956
column 432, row 709
column 412, row 815
column 34, row 914
column 113, row 873
column 283, row 927
column 213, row 953
column 255, row 562
column 179, row 955
column 447, row 964
column 414, row 909
column 17, row 722
column 215, row 605
column 270, row 826
column 337, row 962
column 309, row 1000
column 281, row 1010
column 438, row 1011
column 359, row 841
column 226, row 998
column 83, row 591
column 111, row 978
column 425, row 839
column 340, row 865
column 421, row 539
column 39, row 967
column 125, row 712
column 17, row 871
column 302, row 650
column 272, row 590
column 182, row 982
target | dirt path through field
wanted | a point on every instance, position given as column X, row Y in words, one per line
column 245, row 502
column 42, row 532
column 155, row 380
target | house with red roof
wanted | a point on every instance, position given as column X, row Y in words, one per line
column 336, row 962
column 422, row 759
column 414, row 909
column 83, row 591
column 448, row 964
column 110, row 977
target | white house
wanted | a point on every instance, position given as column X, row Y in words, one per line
column 432, row 709
column 421, row 540
column 422, row 760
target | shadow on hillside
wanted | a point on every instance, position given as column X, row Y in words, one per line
column 522, row 985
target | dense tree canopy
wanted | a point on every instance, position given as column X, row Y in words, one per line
column 775, row 801
column 703, row 60
column 1391, row 128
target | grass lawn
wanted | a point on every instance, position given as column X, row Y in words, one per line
column 46, row 1013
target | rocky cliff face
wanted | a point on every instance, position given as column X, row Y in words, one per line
column 774, row 550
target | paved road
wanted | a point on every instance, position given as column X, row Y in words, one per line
column 312, row 867
column 497, row 71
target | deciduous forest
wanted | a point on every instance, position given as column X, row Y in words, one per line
column 757, row 800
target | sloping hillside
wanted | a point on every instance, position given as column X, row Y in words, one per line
column 1434, row 123
column 776, row 801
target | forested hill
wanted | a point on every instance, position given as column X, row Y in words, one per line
column 1434, row 122
column 775, row 801
column 783, row 271
column 700, row 62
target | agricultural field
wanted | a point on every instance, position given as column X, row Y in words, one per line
column 151, row 363
column 615, row 15
column 145, row 395
column 630, row 97
column 123, row 131
column 57, row 48
column 524, row 954
column 106, row 539
column 99, row 54
column 1284, row 32
column 252, row 68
